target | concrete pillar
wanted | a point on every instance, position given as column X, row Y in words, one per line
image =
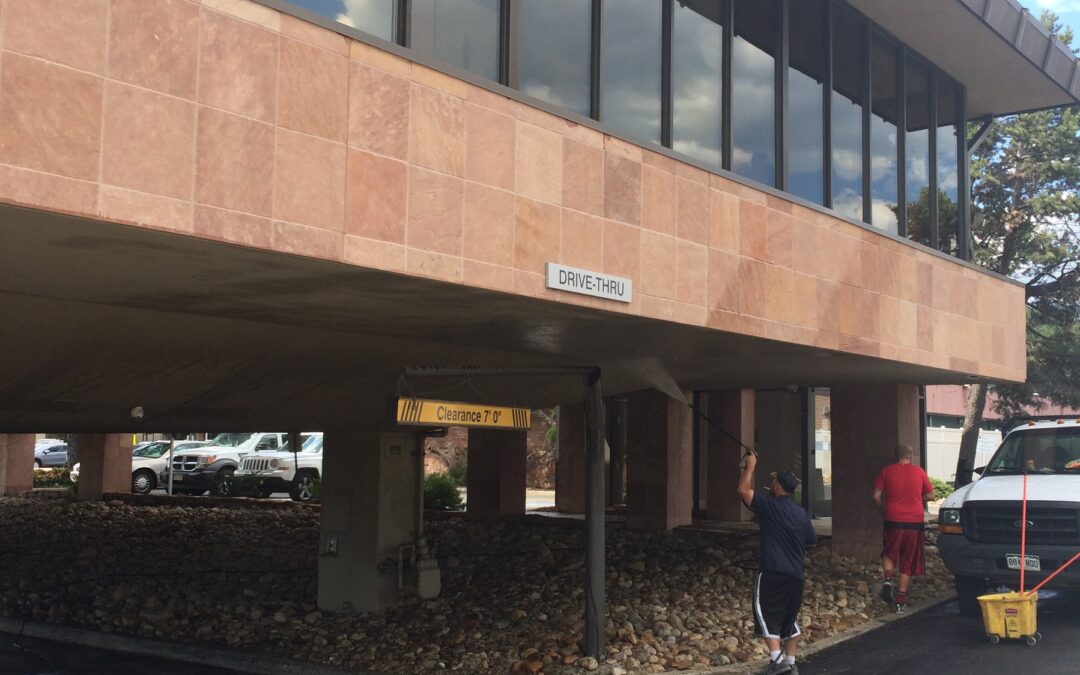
column 733, row 411
column 868, row 422
column 370, row 510
column 105, row 464
column 16, row 463
column 660, row 462
column 496, row 477
column 570, row 460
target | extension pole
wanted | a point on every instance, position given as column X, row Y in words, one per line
column 595, row 609
column 1023, row 535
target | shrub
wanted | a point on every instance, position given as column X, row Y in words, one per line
column 458, row 469
column 441, row 493
column 52, row 478
column 941, row 489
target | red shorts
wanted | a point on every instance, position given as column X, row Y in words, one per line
column 904, row 545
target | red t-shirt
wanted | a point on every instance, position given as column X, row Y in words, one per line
column 904, row 486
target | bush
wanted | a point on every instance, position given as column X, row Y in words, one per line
column 441, row 493
column 941, row 489
column 52, row 478
column 458, row 469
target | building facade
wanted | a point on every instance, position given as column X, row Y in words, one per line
column 268, row 214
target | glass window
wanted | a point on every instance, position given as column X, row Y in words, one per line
column 885, row 108
column 464, row 33
column 753, row 90
column 555, row 41
column 376, row 17
column 806, row 82
column 630, row 67
column 696, row 79
column 847, row 96
column 948, row 96
column 917, row 150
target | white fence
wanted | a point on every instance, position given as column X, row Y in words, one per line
column 943, row 449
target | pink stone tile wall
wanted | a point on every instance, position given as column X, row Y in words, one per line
column 228, row 120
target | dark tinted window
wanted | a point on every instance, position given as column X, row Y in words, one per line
column 376, row 17
column 917, row 150
column 554, row 39
column 948, row 170
column 884, row 160
column 753, row 95
column 696, row 79
column 464, row 33
column 630, row 69
column 847, row 97
column 806, row 78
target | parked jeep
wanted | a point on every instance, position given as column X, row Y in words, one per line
column 197, row 470
column 980, row 523
column 284, row 471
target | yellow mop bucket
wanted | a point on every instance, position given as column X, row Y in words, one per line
column 1010, row 615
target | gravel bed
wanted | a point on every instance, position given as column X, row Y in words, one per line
column 512, row 592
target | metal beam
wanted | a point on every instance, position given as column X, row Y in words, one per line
column 595, row 603
column 980, row 136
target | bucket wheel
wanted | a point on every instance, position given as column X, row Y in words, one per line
column 994, row 639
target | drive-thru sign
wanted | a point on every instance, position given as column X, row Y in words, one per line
column 424, row 412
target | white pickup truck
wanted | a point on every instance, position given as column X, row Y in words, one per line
column 198, row 470
column 284, row 471
column 980, row 523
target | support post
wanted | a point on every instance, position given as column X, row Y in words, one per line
column 16, row 463
column 595, row 610
column 617, row 465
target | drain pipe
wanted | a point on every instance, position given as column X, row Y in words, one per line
column 428, row 578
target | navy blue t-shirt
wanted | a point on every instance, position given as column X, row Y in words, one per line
column 785, row 533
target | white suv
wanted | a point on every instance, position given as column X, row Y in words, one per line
column 284, row 471
column 980, row 523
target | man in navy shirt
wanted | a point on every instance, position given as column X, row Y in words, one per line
column 785, row 532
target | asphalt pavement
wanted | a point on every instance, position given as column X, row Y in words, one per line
column 31, row 656
column 941, row 641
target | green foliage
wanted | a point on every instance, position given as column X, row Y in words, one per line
column 242, row 486
column 52, row 478
column 941, row 489
column 441, row 493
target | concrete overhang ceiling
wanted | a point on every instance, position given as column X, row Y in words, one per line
column 99, row 317
column 975, row 41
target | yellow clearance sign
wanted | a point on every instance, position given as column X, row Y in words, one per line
column 423, row 412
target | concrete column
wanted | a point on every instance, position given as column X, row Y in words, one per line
column 660, row 462
column 370, row 510
column 733, row 411
column 868, row 422
column 16, row 463
column 496, row 478
column 105, row 464
column 570, row 461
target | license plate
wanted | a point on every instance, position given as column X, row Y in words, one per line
column 177, row 476
column 1032, row 562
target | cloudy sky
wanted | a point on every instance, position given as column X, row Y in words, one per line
column 1068, row 10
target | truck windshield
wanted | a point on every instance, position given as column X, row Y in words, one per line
column 229, row 440
column 1038, row 451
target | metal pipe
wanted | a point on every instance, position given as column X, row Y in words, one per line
column 595, row 609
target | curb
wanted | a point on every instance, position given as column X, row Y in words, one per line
column 229, row 659
column 832, row 641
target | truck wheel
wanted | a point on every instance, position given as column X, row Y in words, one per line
column 142, row 482
column 222, row 485
column 968, row 590
column 305, row 487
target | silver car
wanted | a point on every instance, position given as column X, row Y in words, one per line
column 50, row 454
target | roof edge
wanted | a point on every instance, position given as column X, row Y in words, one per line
column 1016, row 25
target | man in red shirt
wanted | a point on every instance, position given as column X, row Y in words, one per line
column 900, row 493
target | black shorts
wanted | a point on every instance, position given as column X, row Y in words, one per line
column 777, row 600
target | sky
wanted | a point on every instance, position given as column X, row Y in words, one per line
column 1068, row 10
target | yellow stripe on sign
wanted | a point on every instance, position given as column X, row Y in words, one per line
column 424, row 412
